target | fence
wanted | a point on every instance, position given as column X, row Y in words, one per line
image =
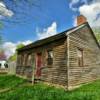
column 12, row 67
column 3, row 70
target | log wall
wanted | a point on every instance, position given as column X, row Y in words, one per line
column 90, row 70
column 55, row 73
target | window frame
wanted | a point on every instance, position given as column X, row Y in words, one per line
column 80, row 57
column 29, row 59
column 50, row 57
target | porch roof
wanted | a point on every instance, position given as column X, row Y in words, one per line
column 54, row 37
column 45, row 41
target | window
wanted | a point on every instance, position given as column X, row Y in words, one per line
column 80, row 57
column 25, row 57
column 29, row 60
column 50, row 57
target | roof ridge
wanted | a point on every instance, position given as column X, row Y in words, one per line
column 51, row 38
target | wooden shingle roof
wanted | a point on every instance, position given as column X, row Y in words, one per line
column 45, row 41
column 55, row 37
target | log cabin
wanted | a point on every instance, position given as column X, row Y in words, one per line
column 68, row 59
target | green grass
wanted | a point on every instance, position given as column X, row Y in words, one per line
column 44, row 92
column 9, row 81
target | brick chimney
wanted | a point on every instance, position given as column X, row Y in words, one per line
column 81, row 19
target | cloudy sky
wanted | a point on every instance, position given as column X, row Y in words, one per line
column 49, row 18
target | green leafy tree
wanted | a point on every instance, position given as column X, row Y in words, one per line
column 20, row 46
column 14, row 57
column 97, row 33
column 98, row 37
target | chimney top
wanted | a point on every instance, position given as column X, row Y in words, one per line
column 81, row 19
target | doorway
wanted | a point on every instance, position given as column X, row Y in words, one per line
column 38, row 64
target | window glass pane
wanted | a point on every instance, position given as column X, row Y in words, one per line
column 50, row 57
column 50, row 54
column 80, row 57
column 29, row 60
column 79, row 53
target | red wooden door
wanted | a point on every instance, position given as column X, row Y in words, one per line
column 38, row 64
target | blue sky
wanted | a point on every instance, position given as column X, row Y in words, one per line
column 49, row 11
column 46, row 18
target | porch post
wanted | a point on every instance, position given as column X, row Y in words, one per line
column 33, row 68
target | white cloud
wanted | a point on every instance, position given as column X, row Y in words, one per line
column 93, row 1
column 91, row 10
column 10, row 47
column 52, row 30
column 74, row 2
column 4, row 11
column 92, row 13
column 84, row 1
column 25, row 42
column 74, row 21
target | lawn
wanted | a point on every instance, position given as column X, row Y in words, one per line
column 18, row 91
column 10, row 81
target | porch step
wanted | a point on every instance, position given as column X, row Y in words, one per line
column 37, row 80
